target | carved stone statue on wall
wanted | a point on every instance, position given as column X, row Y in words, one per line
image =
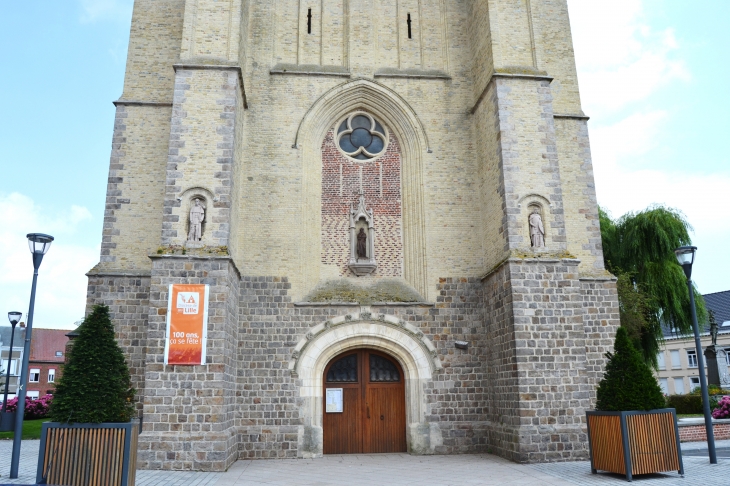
column 197, row 215
column 537, row 231
column 362, row 242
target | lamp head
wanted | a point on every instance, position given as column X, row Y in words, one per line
column 39, row 243
column 686, row 257
column 14, row 317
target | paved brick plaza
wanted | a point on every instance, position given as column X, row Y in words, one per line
column 397, row 469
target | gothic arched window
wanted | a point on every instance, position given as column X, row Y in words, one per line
column 361, row 137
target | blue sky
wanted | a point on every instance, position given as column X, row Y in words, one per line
column 652, row 76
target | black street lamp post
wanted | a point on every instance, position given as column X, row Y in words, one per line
column 686, row 257
column 39, row 245
column 14, row 318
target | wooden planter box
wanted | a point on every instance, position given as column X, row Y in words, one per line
column 88, row 454
column 634, row 442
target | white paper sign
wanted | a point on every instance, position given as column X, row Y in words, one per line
column 334, row 400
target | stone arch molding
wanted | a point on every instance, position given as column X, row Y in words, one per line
column 400, row 118
column 406, row 343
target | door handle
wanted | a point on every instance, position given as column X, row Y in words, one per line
column 368, row 407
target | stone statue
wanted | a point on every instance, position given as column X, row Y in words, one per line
column 537, row 231
column 362, row 240
column 197, row 214
column 714, row 328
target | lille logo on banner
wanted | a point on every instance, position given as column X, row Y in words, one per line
column 188, row 302
column 187, row 323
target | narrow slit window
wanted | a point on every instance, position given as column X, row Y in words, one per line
column 409, row 26
column 309, row 21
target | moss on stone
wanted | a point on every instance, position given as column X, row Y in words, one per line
column 183, row 250
column 382, row 290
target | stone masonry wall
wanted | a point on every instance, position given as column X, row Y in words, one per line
column 189, row 410
column 271, row 325
column 267, row 414
column 128, row 298
column 544, row 364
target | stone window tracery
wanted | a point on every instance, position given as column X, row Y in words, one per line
column 361, row 137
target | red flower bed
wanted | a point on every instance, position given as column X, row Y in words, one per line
column 34, row 409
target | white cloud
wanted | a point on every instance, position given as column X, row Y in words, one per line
column 623, row 62
column 61, row 293
column 96, row 10
column 621, row 59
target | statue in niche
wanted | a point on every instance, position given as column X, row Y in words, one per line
column 537, row 231
column 197, row 215
column 362, row 241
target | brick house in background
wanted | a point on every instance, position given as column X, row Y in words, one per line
column 47, row 355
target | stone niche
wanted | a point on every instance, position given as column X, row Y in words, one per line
column 535, row 204
column 361, row 223
column 187, row 203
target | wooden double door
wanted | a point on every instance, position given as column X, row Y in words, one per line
column 373, row 412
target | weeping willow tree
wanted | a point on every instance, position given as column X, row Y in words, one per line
column 652, row 288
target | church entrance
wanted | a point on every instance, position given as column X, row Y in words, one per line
column 364, row 404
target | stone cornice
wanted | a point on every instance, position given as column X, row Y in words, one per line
column 228, row 258
column 495, row 75
column 310, row 70
column 121, row 273
column 217, row 67
column 140, row 103
column 411, row 73
column 571, row 116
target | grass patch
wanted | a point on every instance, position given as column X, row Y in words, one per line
column 31, row 430
column 690, row 415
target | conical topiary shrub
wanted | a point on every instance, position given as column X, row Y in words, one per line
column 95, row 386
column 628, row 383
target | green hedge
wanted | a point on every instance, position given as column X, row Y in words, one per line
column 690, row 404
column 685, row 404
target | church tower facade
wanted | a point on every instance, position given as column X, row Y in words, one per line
column 392, row 205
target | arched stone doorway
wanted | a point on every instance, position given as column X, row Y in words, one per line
column 364, row 404
column 387, row 334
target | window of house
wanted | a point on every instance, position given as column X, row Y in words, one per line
column 13, row 367
column 694, row 382
column 664, row 385
column 33, row 395
column 727, row 355
column 679, row 386
column 51, row 375
column 59, row 354
column 692, row 358
column 660, row 360
column 35, row 375
column 676, row 363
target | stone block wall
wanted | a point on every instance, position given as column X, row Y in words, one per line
column 189, row 410
column 548, row 331
column 128, row 299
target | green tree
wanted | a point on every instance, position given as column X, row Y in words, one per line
column 639, row 249
column 628, row 383
column 95, row 386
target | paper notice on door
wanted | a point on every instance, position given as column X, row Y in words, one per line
column 334, row 400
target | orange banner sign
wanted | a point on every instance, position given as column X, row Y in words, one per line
column 187, row 324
